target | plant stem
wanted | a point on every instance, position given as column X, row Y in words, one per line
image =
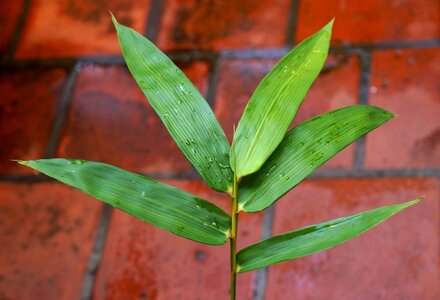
column 233, row 239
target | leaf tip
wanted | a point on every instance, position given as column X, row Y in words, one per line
column 415, row 201
column 113, row 18
column 329, row 25
column 22, row 162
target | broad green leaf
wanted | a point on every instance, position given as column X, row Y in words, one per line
column 185, row 113
column 162, row 205
column 273, row 105
column 304, row 148
column 312, row 239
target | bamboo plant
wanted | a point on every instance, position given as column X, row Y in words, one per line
column 266, row 159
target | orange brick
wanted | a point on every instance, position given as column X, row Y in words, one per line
column 371, row 21
column 406, row 83
column 74, row 28
column 397, row 259
column 9, row 15
column 111, row 121
column 207, row 25
column 142, row 261
column 47, row 232
column 27, row 111
column 335, row 88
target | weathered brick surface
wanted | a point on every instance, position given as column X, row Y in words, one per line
column 336, row 87
column 47, row 230
column 9, row 16
column 111, row 121
column 27, row 111
column 211, row 25
column 371, row 21
column 406, row 83
column 46, row 235
column 399, row 259
column 74, row 28
column 144, row 262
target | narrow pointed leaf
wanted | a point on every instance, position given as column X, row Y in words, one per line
column 273, row 105
column 185, row 113
column 312, row 239
column 162, row 205
column 305, row 148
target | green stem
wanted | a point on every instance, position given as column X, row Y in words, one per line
column 233, row 239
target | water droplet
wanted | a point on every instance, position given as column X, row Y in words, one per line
column 271, row 169
column 373, row 90
column 76, row 161
column 316, row 51
column 193, row 150
column 223, row 166
column 144, row 193
column 311, row 164
column 327, row 143
column 284, row 176
column 301, row 144
column 319, row 141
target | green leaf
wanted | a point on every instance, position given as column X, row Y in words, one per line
column 162, row 205
column 273, row 105
column 185, row 113
column 304, row 148
column 312, row 239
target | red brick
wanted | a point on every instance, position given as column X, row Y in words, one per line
column 399, row 259
column 406, row 83
column 111, row 121
column 371, row 21
column 47, row 232
column 9, row 15
column 202, row 24
column 29, row 99
column 74, row 28
column 142, row 261
column 336, row 87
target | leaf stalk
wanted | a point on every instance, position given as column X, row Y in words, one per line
column 233, row 238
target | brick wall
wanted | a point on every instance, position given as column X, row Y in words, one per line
column 65, row 92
